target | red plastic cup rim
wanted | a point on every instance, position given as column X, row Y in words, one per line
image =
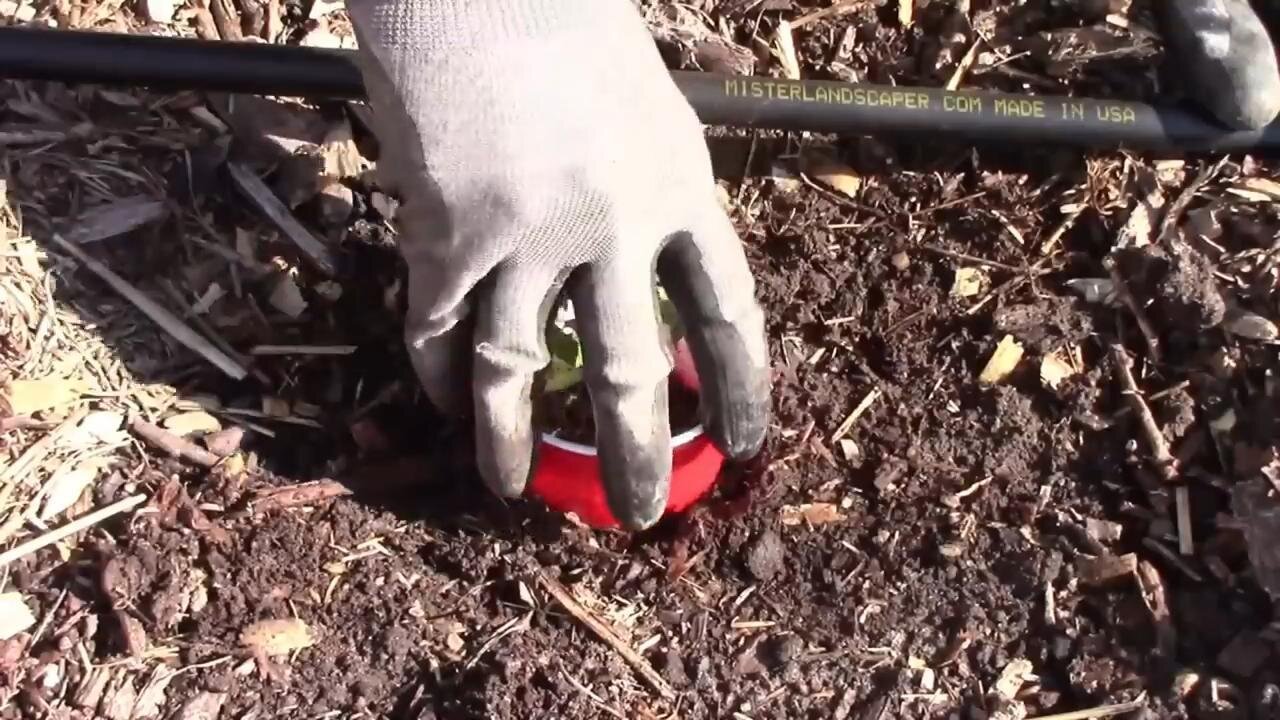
column 677, row 441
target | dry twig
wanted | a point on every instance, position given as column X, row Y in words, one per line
column 601, row 630
column 71, row 528
column 1101, row 711
column 257, row 191
column 175, row 446
column 1122, row 290
column 1164, row 461
column 158, row 314
column 1174, row 213
column 857, row 413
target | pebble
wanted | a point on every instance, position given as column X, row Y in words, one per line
column 785, row 648
column 765, row 557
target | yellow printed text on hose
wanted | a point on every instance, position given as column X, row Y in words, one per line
column 1031, row 108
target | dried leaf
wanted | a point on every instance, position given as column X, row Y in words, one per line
column 23, row 397
column 1054, row 370
column 1251, row 326
column 834, row 174
column 811, row 513
column 277, row 637
column 100, row 427
column 1098, row 291
column 287, row 298
column 969, row 282
column 15, row 616
column 65, row 488
column 1003, row 361
column 196, row 422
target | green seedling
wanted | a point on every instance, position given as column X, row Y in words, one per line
column 565, row 369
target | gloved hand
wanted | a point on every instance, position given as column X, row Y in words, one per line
column 541, row 144
column 1226, row 58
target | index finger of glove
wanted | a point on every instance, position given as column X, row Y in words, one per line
column 626, row 367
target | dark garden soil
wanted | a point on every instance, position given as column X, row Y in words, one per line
column 898, row 569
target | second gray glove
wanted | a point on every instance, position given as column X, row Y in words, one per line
column 535, row 143
column 1226, row 59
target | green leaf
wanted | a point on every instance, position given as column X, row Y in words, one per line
column 562, row 376
column 670, row 318
column 564, row 346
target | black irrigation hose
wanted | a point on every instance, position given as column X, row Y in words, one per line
column 817, row 106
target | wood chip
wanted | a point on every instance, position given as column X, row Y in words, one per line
column 308, row 493
column 969, row 282
column 1102, row 711
column 315, row 251
column 1105, row 569
column 277, row 637
column 342, row 159
column 1003, row 361
column 811, row 513
column 1012, row 678
column 1257, row 188
column 202, row 706
column 835, row 175
column 15, row 616
column 115, row 219
column 1104, row 531
column 787, row 51
column 906, row 12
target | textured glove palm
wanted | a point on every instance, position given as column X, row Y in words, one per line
column 539, row 143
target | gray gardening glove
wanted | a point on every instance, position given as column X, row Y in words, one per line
column 1227, row 60
column 535, row 143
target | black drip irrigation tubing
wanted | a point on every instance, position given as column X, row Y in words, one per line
column 177, row 64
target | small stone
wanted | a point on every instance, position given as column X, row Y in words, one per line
column 159, row 11
column 673, row 669
column 748, row 663
column 900, row 261
column 1244, row 655
column 765, row 558
column 782, row 650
